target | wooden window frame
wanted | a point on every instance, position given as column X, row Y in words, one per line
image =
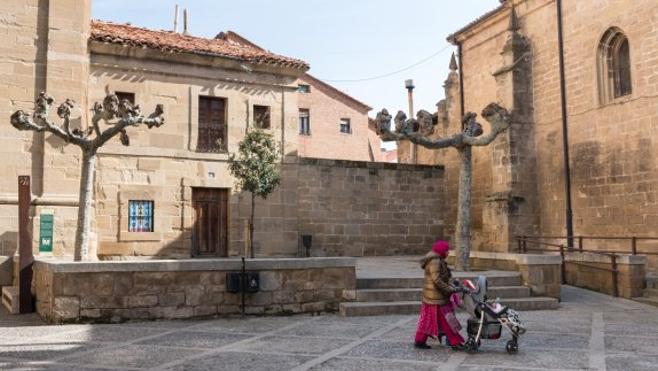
column 201, row 126
column 259, row 125
column 126, row 95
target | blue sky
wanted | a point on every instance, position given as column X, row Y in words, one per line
column 341, row 39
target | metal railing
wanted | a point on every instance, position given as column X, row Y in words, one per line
column 523, row 242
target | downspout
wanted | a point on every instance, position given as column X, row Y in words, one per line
column 283, row 124
column 461, row 82
column 565, row 128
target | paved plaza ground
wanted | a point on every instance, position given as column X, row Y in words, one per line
column 590, row 331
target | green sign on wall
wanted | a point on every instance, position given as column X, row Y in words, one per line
column 46, row 231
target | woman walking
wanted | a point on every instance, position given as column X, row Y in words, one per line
column 437, row 316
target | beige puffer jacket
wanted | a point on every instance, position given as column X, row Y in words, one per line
column 436, row 288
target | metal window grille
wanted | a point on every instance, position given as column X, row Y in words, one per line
column 140, row 216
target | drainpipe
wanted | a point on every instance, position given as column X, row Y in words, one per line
column 461, row 82
column 565, row 130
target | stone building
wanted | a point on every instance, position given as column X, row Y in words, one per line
column 332, row 124
column 335, row 125
column 510, row 55
column 157, row 196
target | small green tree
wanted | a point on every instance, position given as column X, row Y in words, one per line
column 256, row 170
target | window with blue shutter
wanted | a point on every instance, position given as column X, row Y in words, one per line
column 140, row 216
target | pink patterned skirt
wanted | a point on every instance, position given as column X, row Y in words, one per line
column 438, row 320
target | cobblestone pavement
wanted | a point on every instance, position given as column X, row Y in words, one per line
column 590, row 331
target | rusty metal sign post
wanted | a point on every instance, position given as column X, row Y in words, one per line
column 26, row 257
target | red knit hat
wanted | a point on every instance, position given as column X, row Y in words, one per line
column 441, row 248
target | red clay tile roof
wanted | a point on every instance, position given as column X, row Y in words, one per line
column 178, row 43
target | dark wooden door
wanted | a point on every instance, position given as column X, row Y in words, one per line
column 210, row 234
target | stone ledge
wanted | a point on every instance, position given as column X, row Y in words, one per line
column 538, row 259
column 605, row 259
column 523, row 259
column 193, row 265
column 368, row 164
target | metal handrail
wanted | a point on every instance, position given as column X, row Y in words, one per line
column 633, row 240
column 523, row 248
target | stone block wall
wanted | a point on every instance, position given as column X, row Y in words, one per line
column 541, row 273
column 612, row 143
column 121, row 291
column 369, row 209
column 593, row 271
column 350, row 208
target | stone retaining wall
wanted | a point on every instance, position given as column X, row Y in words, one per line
column 369, row 209
column 167, row 289
column 583, row 270
column 541, row 273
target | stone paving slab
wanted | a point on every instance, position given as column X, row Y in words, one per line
column 590, row 331
column 240, row 361
column 136, row 356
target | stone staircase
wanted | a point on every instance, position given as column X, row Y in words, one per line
column 650, row 292
column 401, row 295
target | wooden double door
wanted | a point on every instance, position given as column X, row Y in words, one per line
column 210, row 233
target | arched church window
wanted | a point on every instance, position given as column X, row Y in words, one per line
column 614, row 64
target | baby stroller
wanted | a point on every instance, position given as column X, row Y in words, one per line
column 487, row 319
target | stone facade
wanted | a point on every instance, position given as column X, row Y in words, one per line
column 44, row 48
column 50, row 49
column 350, row 208
column 518, row 186
column 327, row 106
column 117, row 292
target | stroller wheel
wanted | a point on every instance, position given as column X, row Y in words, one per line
column 512, row 347
column 471, row 346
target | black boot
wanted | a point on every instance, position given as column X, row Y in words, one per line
column 458, row 347
column 422, row 346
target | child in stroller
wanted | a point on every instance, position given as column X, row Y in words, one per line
column 487, row 319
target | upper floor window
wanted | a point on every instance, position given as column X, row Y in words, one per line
column 122, row 95
column 303, row 88
column 345, row 126
column 212, row 125
column 614, row 65
column 262, row 117
column 304, row 121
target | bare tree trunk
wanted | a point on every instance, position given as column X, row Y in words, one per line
column 462, row 233
column 84, row 208
column 251, row 224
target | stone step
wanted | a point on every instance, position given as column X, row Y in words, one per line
column 413, row 294
column 388, row 295
column 355, row 309
column 10, row 299
column 501, row 279
column 647, row 300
